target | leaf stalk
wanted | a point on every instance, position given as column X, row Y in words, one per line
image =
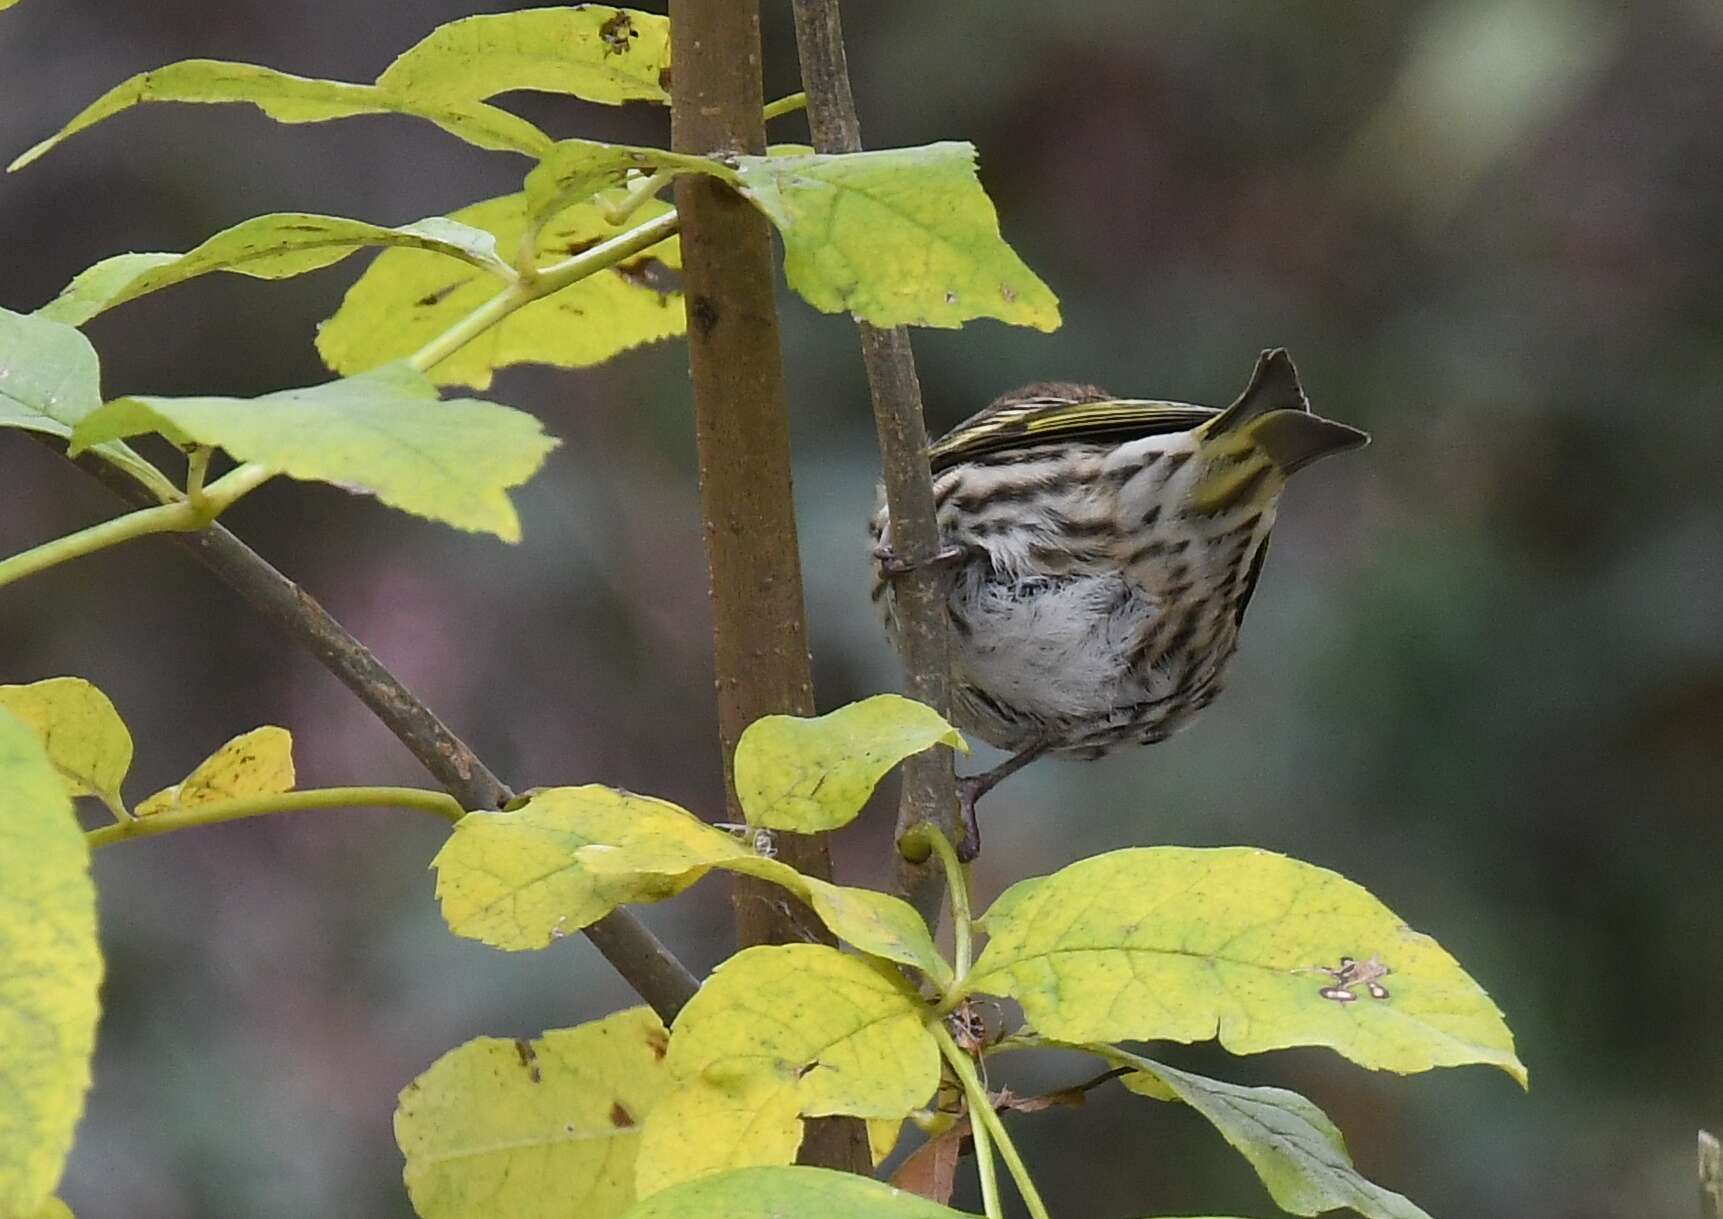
column 216, row 812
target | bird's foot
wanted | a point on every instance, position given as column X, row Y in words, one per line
column 969, row 790
column 894, row 565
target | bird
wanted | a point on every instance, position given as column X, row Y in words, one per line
column 1099, row 555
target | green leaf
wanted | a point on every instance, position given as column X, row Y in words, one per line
column 296, row 99
column 810, row 775
column 85, row 737
column 1178, row 944
column 592, row 51
column 904, row 236
column 1294, row 1148
column 779, row 1193
column 255, row 763
column 513, row 879
column 50, row 379
column 534, row 1130
column 777, row 1034
column 266, row 247
column 51, row 1208
column 406, row 298
column 848, row 1035
column 50, row 970
column 382, row 432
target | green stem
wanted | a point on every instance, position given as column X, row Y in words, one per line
column 962, row 921
column 168, row 518
column 553, row 278
column 983, row 1117
column 786, row 105
column 220, row 495
column 217, row 811
column 644, row 190
column 196, row 470
column 976, row 1096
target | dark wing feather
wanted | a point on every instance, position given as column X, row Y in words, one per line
column 1026, row 424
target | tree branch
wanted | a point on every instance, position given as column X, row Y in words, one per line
column 760, row 637
column 929, row 792
column 638, row 955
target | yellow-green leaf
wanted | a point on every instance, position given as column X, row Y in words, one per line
column 296, row 99
column 848, row 1034
column 1178, row 944
column 255, row 763
column 85, row 737
column 593, row 51
column 809, row 775
column 406, row 298
column 51, row 1208
column 514, row 880
column 50, row 380
column 709, row 1125
column 578, row 169
column 382, row 432
column 275, row 246
column 50, row 970
column 788, row 1192
column 874, row 922
column 903, row 236
column 539, row 1129
column 1295, row 1149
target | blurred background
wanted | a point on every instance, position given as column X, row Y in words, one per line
column 1483, row 673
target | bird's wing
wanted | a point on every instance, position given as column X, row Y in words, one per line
column 1040, row 421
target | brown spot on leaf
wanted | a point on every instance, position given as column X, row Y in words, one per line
column 659, row 1040
column 616, row 32
column 528, row 1059
column 619, row 1116
column 425, row 302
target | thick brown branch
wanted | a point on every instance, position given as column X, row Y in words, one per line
column 742, row 427
column 638, row 955
column 929, row 793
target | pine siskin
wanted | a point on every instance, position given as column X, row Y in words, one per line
column 1103, row 552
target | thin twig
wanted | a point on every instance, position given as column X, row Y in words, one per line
column 929, row 789
column 638, row 955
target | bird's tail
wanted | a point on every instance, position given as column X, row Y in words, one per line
column 1275, row 415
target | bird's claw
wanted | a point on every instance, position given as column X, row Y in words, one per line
column 892, row 565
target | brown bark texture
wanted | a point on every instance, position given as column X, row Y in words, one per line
column 742, row 428
column 929, row 793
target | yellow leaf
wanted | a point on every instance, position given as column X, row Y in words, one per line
column 534, row 1129
column 810, row 775
column 53, row 1208
column 255, row 763
column 849, row 1035
column 593, row 51
column 85, row 738
column 882, row 1136
column 1179, row 944
column 406, row 298
column 877, row 923
column 50, row 971
column 899, row 236
column 514, row 879
column 382, row 432
column 709, row 1125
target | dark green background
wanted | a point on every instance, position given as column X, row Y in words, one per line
column 1482, row 676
